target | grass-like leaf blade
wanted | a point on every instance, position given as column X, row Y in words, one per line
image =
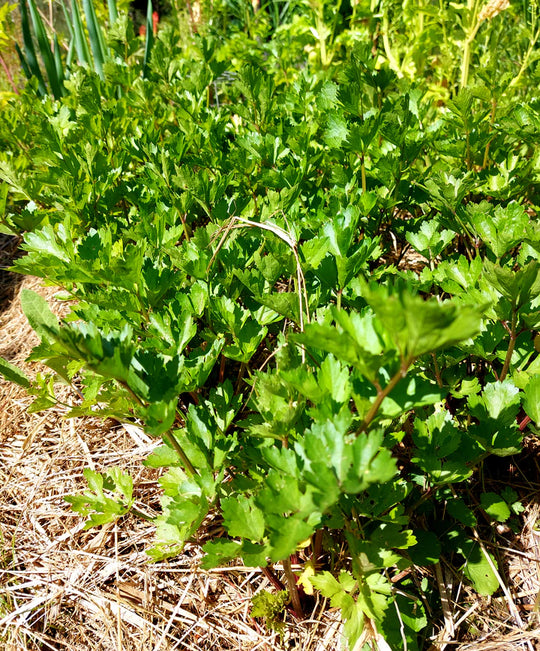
column 149, row 39
column 29, row 59
column 95, row 35
column 58, row 60
column 45, row 50
column 113, row 11
column 13, row 374
column 79, row 39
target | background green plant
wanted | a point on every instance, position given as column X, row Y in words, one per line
column 240, row 271
column 83, row 39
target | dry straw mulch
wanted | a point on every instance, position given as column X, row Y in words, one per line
column 64, row 587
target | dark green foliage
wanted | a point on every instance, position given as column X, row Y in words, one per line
column 237, row 250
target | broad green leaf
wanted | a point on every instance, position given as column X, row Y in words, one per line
column 499, row 402
column 496, row 410
column 336, row 131
column 287, row 534
column 459, row 510
column 13, row 374
column 430, row 240
column 39, row 315
column 354, row 340
column 356, row 464
column 511, row 498
column 417, row 326
column 519, row 287
column 98, row 507
column 162, row 457
column 220, row 551
column 495, row 506
column 531, row 400
column 501, row 228
column 372, row 463
column 409, row 393
column 352, row 614
column 242, row 518
column 478, row 569
column 427, row 549
column 159, row 416
column 374, row 594
column 333, row 377
column 438, row 434
column 329, row 586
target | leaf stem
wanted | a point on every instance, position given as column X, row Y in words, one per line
column 9, row 75
column 382, row 393
column 338, row 298
column 223, row 361
column 467, row 46
column 270, row 575
column 141, row 515
column 241, row 372
column 166, row 436
column 511, row 346
column 169, row 436
column 363, row 172
column 293, row 588
column 316, row 546
column 437, row 370
column 485, row 161
column 392, row 61
column 534, row 38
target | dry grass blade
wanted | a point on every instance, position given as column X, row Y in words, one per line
column 446, row 635
column 239, row 222
column 509, row 600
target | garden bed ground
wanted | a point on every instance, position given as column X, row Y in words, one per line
column 64, row 587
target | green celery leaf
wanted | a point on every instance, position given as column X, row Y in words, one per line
column 162, row 457
column 461, row 512
column 495, row 506
column 477, row 568
column 427, row 549
column 242, row 518
column 374, row 596
column 519, row 287
column 354, row 340
column 409, row 393
column 430, row 240
column 220, row 551
column 496, row 409
column 13, row 374
column 98, row 507
column 328, row 585
column 501, row 228
column 531, row 400
column 417, row 326
column 39, row 315
column 287, row 533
